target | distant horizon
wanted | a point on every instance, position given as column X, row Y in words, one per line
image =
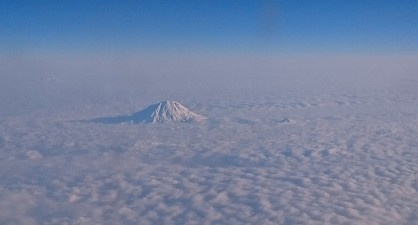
column 210, row 27
column 308, row 112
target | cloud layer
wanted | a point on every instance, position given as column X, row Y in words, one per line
column 346, row 155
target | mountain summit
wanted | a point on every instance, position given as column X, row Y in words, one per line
column 163, row 112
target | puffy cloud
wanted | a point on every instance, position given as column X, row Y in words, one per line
column 342, row 158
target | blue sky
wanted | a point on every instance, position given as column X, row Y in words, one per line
column 291, row 26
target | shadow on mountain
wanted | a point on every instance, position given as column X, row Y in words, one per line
column 142, row 116
column 112, row 120
column 163, row 112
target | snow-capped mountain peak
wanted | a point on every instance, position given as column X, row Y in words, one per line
column 164, row 112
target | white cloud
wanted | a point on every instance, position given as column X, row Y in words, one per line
column 346, row 156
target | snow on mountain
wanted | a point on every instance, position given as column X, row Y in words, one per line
column 163, row 112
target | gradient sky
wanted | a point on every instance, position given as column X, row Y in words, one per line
column 295, row 26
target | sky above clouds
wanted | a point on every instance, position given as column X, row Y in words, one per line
column 273, row 26
column 311, row 109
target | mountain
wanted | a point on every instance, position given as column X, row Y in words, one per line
column 163, row 112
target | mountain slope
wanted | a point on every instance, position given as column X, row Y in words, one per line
column 163, row 112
